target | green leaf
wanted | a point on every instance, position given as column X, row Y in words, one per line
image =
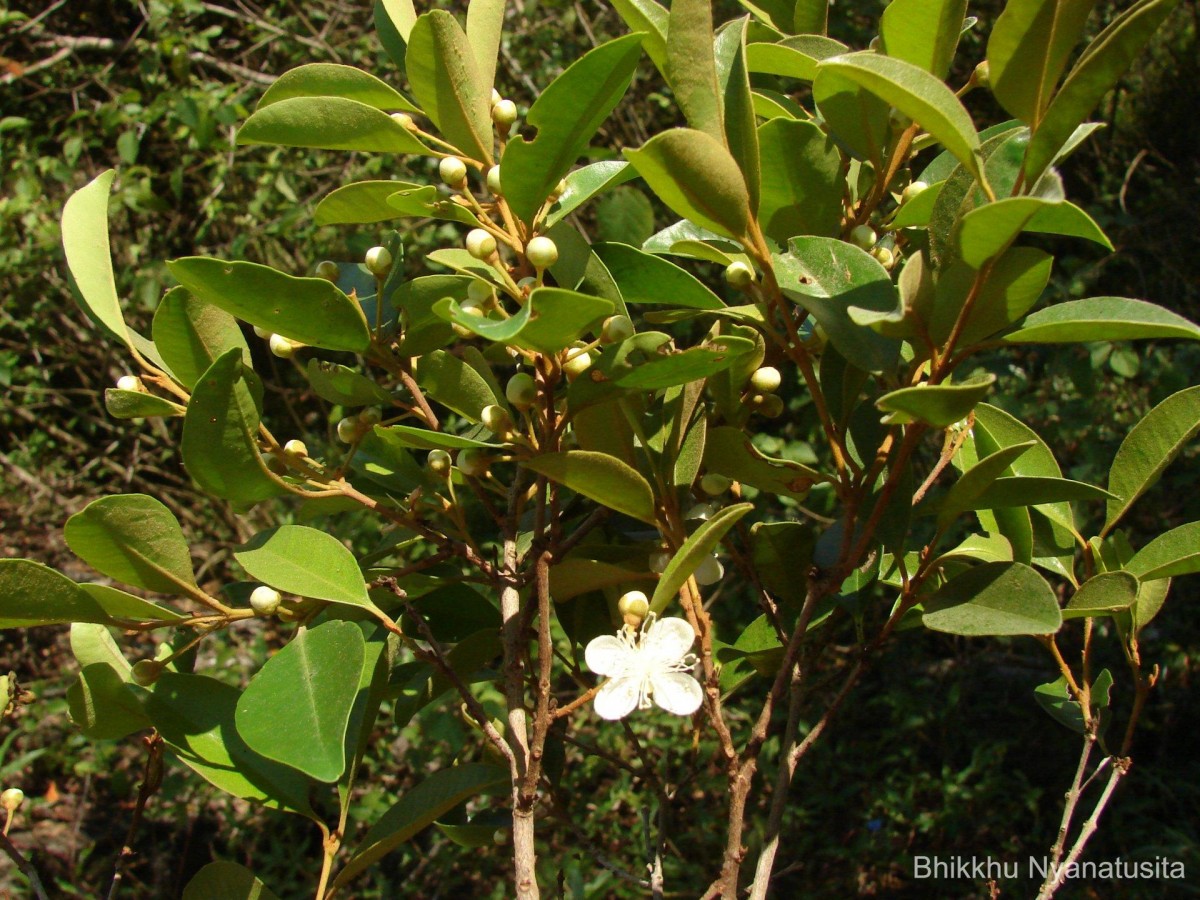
column 692, row 68
column 740, row 125
column 644, row 278
column 697, row 178
column 307, row 562
column 223, row 880
column 85, row 242
column 1067, row 219
column 587, row 182
column 191, row 334
column 801, row 181
column 332, row 80
column 986, row 231
column 1032, row 490
column 135, row 539
column 1177, row 552
column 453, row 383
column 599, row 477
column 361, row 203
column 127, row 607
column 424, row 439
column 309, row 310
column 811, row 17
column 566, row 115
column 940, row 405
column 328, row 123
column 922, row 97
column 649, row 17
column 1149, row 448
column 447, row 84
column 33, row 594
column 220, row 434
column 1001, row 598
column 342, row 385
column 728, row 452
column 830, row 279
column 918, row 211
column 485, row 24
column 419, row 808
column 195, row 715
column 923, row 32
column 393, row 21
column 100, row 702
column 297, row 706
column 137, row 405
column 962, row 495
column 1028, row 49
column 698, row 547
column 686, row 366
column 1102, row 595
column 856, row 117
column 1012, row 287
column 1104, row 61
column 794, row 57
column 551, row 320
column 1101, row 319
column 625, row 213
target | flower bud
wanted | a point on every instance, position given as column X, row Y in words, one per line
column 864, row 236
column 327, row 269
column 616, row 329
column 559, row 189
column 541, row 252
column 527, row 284
column 766, row 380
column 714, row 484
column 146, row 671
column 296, row 447
column 739, row 275
column 496, row 420
column 504, row 113
column 378, row 261
column 130, row 383
column 264, row 333
column 577, row 362
column 771, row 406
column 659, row 560
column 283, row 347
column 634, row 605
column 493, row 179
column 452, row 170
column 371, row 416
column 479, row 291
column 886, row 258
column 11, row 799
column 982, row 75
column 912, row 191
column 404, row 120
column 439, row 462
column 265, row 600
column 701, row 512
column 473, row 462
column 480, row 244
column 348, row 430
column 274, row 463
column 521, row 390
column 709, row 571
column 496, row 98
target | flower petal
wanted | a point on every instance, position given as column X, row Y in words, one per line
column 617, row 698
column 607, row 655
column 668, row 640
column 676, row 692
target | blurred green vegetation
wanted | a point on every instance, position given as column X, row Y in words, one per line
column 929, row 757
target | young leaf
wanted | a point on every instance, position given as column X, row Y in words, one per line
column 587, row 182
column 361, row 203
column 309, row 310
column 1149, row 448
column 566, row 116
column 551, row 320
column 328, row 123
column 644, row 278
column 1102, row 595
column 485, row 24
column 343, row 385
column 699, row 545
column 1001, row 598
column 801, row 185
column 33, row 594
column 191, row 334
column 394, row 20
column 307, row 562
column 137, row 405
column 447, row 84
column 1101, row 319
column 696, row 177
column 962, row 495
column 650, row 17
column 226, row 880
column 811, row 17
column 100, row 702
column 85, row 242
column 332, row 80
column 297, row 706
column 923, row 32
column 939, row 405
column 922, row 97
column 692, row 68
column 737, row 104
column 135, row 539
column 1177, row 552
column 599, row 477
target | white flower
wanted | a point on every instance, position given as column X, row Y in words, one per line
column 651, row 663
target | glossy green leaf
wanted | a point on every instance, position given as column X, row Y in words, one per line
column 1013, row 286
column 830, row 278
column 923, row 32
column 135, row 539
column 780, row 59
column 332, row 80
column 100, row 702
column 697, row 178
column 737, row 103
column 587, row 182
column 33, row 594
column 447, row 84
column 1102, row 595
column 698, row 547
column 85, row 242
column 1177, row 552
column 940, row 405
column 297, row 706
column 195, row 715
column 453, row 383
column 137, row 405
column 857, row 118
column 1149, row 448
column 309, row 310
column 328, row 123
column 360, row 203
column 922, row 97
column 918, row 211
column 220, row 434
column 692, row 67
column 801, row 182
column 599, row 477
column 418, row 809
column 728, row 452
column 975, row 480
column 424, row 439
column 686, row 366
column 624, row 214
column 307, row 562
column 1101, row 319
column 1001, row 598
column 1066, row 219
column 1033, row 490
column 191, row 334
column 224, row 880
column 1056, row 699
column 393, row 21
column 126, row 607
column 551, row 320
column 650, row 17
column 647, row 279
column 811, row 17
column 485, row 23
column 986, row 231
column 342, row 385
column 1106, row 59
column 982, row 547
column 566, row 116
column 1028, row 49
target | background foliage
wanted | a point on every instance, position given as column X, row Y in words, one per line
column 159, row 88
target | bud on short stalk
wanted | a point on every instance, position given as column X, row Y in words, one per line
column 496, row 98
column 264, row 333
column 739, row 275
column 452, row 170
column 912, row 191
column 616, row 329
column 497, row 420
column 296, row 447
column 130, row 383
column 577, row 362
column 480, row 291
column 766, row 380
column 480, row 244
column 864, row 236
column 439, row 462
column 265, row 600
column 884, row 256
column 541, row 252
column 327, row 269
column 404, row 120
column 11, row 799
column 771, row 406
column 633, row 606
column 371, row 416
column 504, row 114
column 493, row 180
column 521, row 390
column 283, row 347
column 378, row 261
column 474, row 462
column 349, row 429
column 146, row 671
